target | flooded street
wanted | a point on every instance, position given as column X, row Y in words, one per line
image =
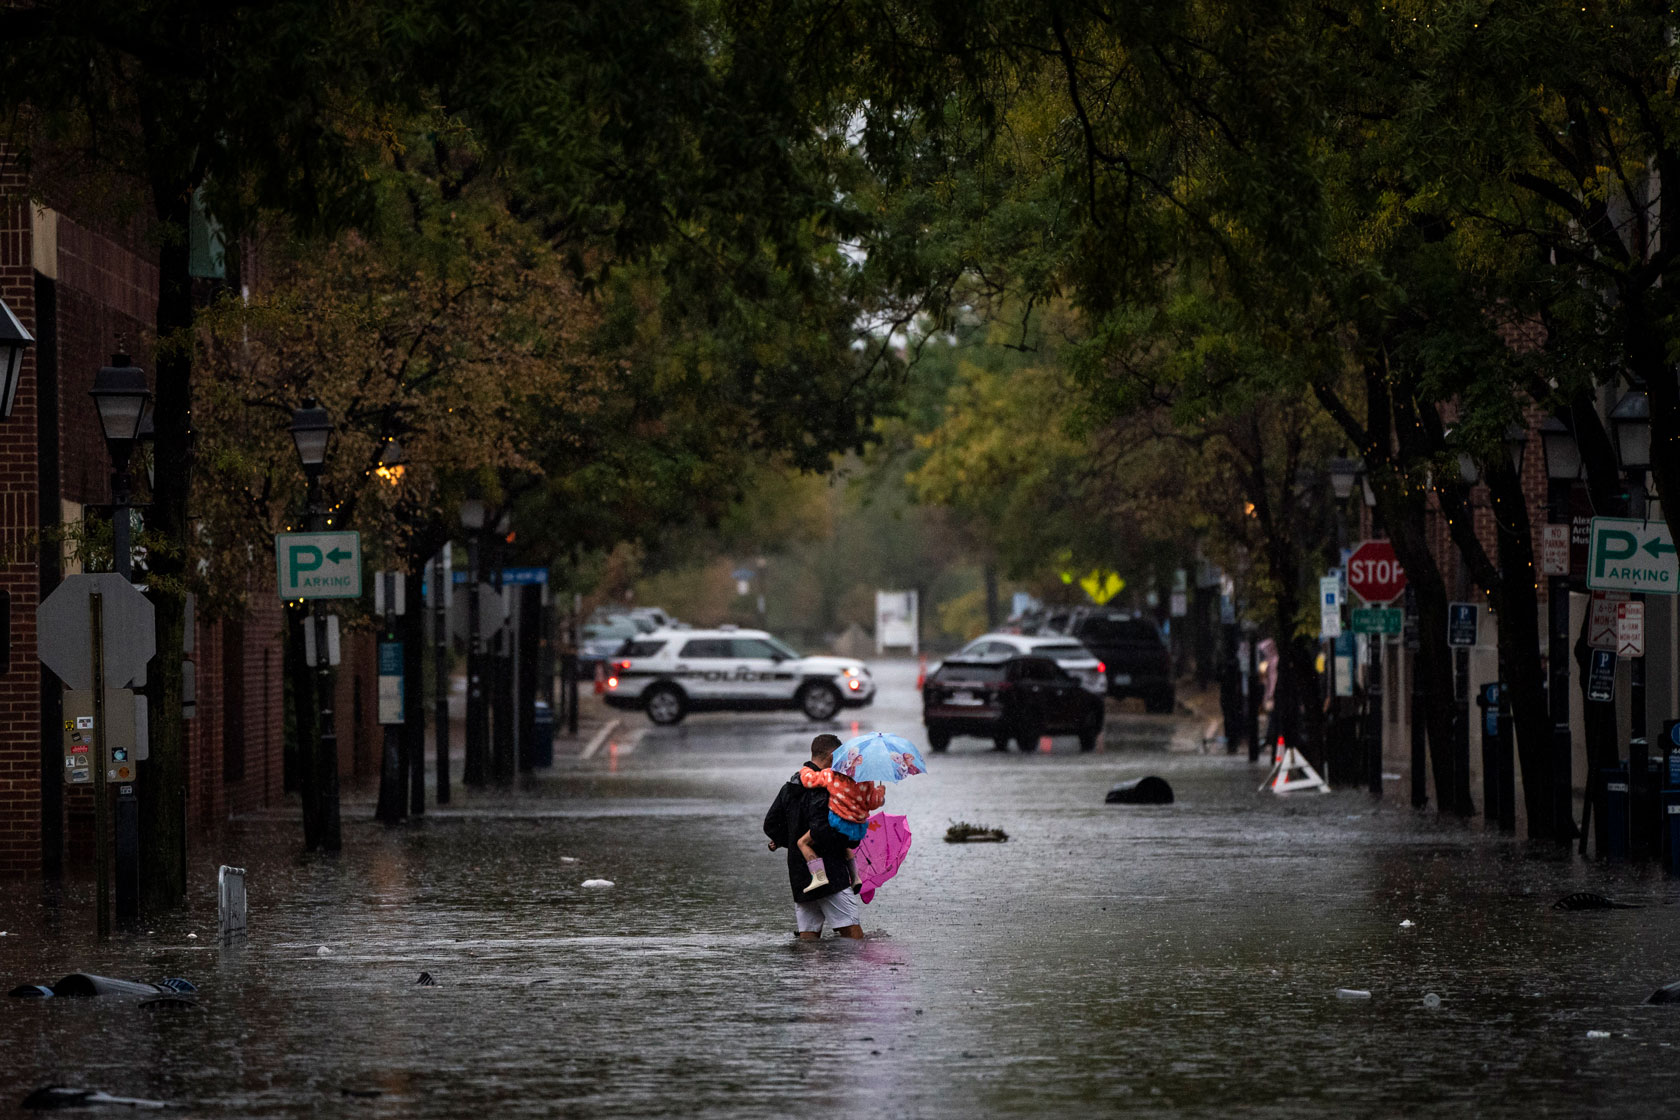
column 1175, row 960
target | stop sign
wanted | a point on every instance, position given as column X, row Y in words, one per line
column 1374, row 574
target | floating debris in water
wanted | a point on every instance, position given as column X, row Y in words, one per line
column 1407, row 924
column 52, row 1097
column 1598, row 1034
column 598, row 883
column 1432, row 1001
column 964, row 833
column 323, row 951
column 1352, row 993
column 1668, row 993
column 426, row 980
column 1586, row 900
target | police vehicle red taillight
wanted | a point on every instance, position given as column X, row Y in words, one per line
column 854, row 684
column 612, row 682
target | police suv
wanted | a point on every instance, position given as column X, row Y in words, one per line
column 669, row 673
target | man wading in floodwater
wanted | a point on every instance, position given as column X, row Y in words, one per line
column 796, row 811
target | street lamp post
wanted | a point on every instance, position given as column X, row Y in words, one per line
column 1630, row 421
column 311, row 431
column 1563, row 467
column 120, row 394
column 473, row 773
column 502, row 746
column 1343, row 474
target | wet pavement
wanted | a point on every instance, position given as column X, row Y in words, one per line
column 1173, row 960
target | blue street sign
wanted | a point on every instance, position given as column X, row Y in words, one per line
column 511, row 576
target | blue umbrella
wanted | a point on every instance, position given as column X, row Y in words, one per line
column 878, row 757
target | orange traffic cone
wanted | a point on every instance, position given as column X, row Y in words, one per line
column 921, row 673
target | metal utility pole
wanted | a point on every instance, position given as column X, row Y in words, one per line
column 101, row 807
column 311, row 431
column 392, row 791
column 478, row 711
column 442, row 575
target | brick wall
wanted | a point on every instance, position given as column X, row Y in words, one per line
column 20, row 741
column 106, row 295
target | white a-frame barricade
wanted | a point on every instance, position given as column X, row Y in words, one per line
column 1287, row 763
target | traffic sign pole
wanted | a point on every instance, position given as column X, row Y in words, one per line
column 101, row 809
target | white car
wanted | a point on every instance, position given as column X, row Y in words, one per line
column 1074, row 658
column 670, row 673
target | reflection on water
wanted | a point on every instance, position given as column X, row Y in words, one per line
column 1150, row 960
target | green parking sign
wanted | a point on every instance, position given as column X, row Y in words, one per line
column 1376, row 620
column 1629, row 554
column 319, row 565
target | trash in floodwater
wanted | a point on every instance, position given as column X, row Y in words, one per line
column 192, row 937
column 1432, row 1001
column 426, row 980
column 1141, row 791
column 1352, row 993
column 1586, row 900
column 1668, row 993
column 1407, row 924
column 597, row 882
column 81, row 984
column 964, row 833
column 568, row 859
column 323, row 951
column 1598, row 1034
column 52, row 1097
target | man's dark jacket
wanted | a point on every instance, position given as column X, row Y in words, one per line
column 795, row 812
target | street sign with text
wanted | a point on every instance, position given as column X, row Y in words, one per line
column 1629, row 554
column 1329, row 607
column 1461, row 624
column 1376, row 620
column 1554, row 550
column 1630, row 629
column 319, row 565
column 1374, row 574
column 1601, row 676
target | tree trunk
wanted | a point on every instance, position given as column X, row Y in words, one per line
column 1519, row 647
column 163, row 781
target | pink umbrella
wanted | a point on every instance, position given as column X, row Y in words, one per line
column 881, row 851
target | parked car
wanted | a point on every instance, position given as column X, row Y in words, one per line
column 670, row 673
column 1135, row 656
column 1064, row 651
column 601, row 638
column 1021, row 698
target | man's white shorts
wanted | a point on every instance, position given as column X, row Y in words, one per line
column 837, row 910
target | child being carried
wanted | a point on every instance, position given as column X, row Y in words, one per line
column 849, row 806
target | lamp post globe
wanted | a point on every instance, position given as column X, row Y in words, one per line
column 121, row 395
column 1343, row 474
column 13, row 341
column 1563, row 454
column 311, row 429
column 1631, row 421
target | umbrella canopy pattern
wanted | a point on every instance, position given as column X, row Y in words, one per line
column 881, row 851
column 878, row 757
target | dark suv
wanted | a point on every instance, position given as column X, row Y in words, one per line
column 1137, row 659
column 1021, row 699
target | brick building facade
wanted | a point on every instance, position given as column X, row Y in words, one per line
column 85, row 290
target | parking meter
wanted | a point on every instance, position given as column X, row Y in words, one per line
column 1616, row 809
column 1498, row 771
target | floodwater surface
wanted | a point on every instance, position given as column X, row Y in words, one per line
column 1178, row 960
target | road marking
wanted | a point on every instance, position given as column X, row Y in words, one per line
column 600, row 737
column 629, row 745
